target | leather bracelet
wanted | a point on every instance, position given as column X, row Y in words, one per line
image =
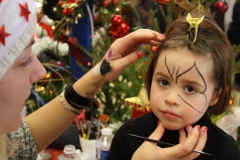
column 75, row 100
column 77, row 112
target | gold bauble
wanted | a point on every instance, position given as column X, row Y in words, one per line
column 141, row 102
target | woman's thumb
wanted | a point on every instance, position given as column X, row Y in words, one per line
column 158, row 132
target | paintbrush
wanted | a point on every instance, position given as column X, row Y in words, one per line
column 164, row 143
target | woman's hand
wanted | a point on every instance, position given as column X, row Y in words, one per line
column 123, row 52
column 195, row 140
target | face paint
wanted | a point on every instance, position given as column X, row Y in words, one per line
column 110, row 55
column 194, row 66
column 93, row 93
column 190, row 104
column 96, row 69
column 105, row 68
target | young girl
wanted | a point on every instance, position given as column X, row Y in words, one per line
column 20, row 68
column 188, row 81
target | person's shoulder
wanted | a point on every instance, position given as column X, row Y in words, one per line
column 222, row 143
column 219, row 135
column 218, row 132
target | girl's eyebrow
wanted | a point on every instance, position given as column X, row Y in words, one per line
column 192, row 82
column 161, row 74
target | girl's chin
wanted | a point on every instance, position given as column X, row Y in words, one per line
column 173, row 127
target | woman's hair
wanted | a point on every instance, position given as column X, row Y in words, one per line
column 3, row 146
column 211, row 41
column 7, row 146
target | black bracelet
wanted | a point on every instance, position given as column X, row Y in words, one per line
column 75, row 100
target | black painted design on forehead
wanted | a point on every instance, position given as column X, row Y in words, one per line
column 171, row 74
column 195, row 66
column 179, row 75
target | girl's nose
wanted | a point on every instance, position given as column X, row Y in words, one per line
column 172, row 98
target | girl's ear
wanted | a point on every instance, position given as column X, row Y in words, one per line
column 215, row 98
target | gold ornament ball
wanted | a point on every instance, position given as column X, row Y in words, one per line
column 53, row 27
column 117, row 9
column 54, row 9
column 231, row 101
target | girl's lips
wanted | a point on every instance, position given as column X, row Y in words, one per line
column 170, row 115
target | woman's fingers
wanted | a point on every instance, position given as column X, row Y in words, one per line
column 123, row 53
column 125, row 45
column 194, row 139
column 200, row 138
column 150, row 150
column 158, row 132
column 186, row 145
column 182, row 136
column 200, row 144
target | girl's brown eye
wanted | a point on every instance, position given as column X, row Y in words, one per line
column 190, row 89
column 163, row 82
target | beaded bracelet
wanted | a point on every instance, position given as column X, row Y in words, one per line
column 75, row 111
column 75, row 100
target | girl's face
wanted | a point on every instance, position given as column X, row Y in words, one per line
column 15, row 88
column 182, row 88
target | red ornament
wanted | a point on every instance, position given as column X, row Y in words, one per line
column 72, row 40
column 113, row 30
column 69, row 11
column 24, row 10
column 221, row 6
column 71, row 1
column 162, row 2
column 116, row 20
column 79, row 1
column 115, row 2
column 119, row 27
column 64, row 11
column 154, row 48
column 106, row 3
column 3, row 35
column 60, row 3
column 124, row 25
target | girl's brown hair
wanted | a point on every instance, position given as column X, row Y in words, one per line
column 211, row 41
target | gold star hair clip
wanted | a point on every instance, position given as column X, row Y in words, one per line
column 193, row 23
